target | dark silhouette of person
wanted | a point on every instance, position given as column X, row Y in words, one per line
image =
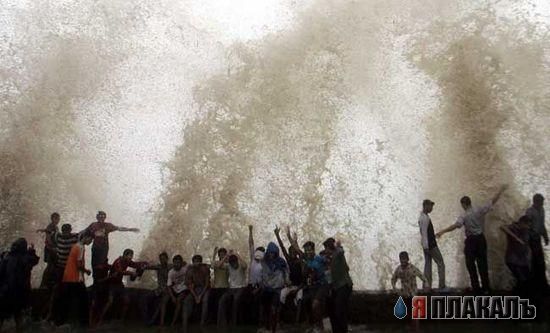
column 538, row 234
column 15, row 281
column 518, row 254
column 50, row 252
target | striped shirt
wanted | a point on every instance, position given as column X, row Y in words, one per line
column 64, row 243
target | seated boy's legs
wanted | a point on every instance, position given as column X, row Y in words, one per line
column 237, row 296
column 222, row 308
column 179, row 298
column 270, row 304
column 188, row 304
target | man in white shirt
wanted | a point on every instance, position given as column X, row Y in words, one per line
column 237, row 283
column 256, row 256
column 429, row 244
column 176, row 288
column 475, row 245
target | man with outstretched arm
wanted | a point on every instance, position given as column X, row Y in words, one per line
column 100, row 231
column 475, row 245
column 50, row 254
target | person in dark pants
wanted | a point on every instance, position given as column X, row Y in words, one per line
column 518, row 253
column 475, row 245
column 15, row 281
column 73, row 290
column 341, row 285
column 50, row 253
column 429, row 245
column 538, row 234
column 64, row 241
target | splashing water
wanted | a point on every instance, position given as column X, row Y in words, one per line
column 338, row 123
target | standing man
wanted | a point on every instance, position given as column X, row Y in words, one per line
column 475, row 245
column 537, row 233
column 341, row 284
column 73, row 289
column 100, row 231
column 429, row 244
column 48, row 277
column 64, row 242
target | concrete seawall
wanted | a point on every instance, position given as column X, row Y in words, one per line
column 366, row 307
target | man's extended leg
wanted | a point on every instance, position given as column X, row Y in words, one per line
column 438, row 258
column 428, row 268
column 482, row 265
column 469, row 253
column 538, row 264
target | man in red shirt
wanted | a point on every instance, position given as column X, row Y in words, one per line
column 100, row 231
column 118, row 270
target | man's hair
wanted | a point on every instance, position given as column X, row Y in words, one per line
column 329, row 242
column 54, row 214
column 233, row 259
column 309, row 244
column 260, row 248
column 127, row 252
column 427, row 203
column 465, row 200
column 222, row 250
column 403, row 255
column 66, row 227
column 538, row 197
column 177, row 257
column 100, row 212
column 163, row 254
column 197, row 257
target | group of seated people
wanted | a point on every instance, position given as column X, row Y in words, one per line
column 299, row 277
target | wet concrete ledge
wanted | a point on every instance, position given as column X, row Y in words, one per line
column 366, row 307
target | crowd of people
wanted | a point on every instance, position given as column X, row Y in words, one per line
column 317, row 285
column 524, row 255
